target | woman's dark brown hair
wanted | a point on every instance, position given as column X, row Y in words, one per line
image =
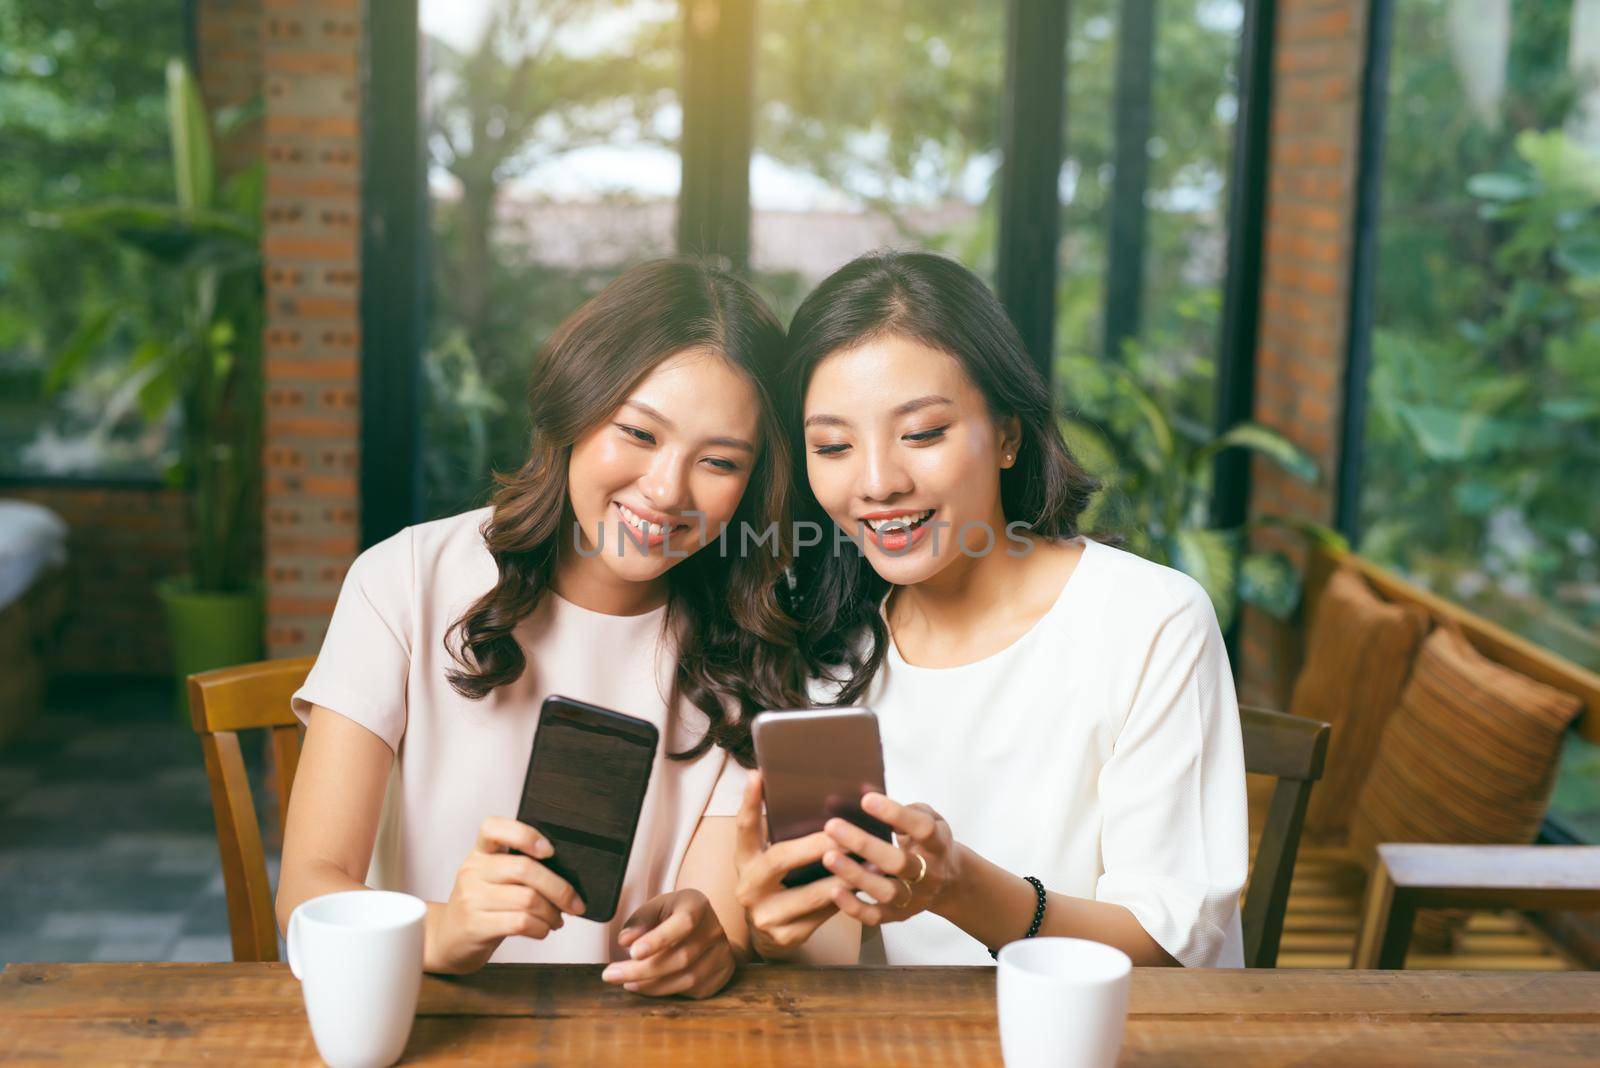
column 736, row 645
column 941, row 304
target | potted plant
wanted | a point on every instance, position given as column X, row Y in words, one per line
column 202, row 355
column 1156, row 476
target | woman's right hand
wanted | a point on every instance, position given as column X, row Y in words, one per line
column 780, row 918
column 498, row 894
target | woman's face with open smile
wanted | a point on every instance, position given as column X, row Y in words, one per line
column 668, row 468
column 902, row 449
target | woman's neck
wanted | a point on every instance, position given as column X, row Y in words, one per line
column 977, row 606
column 967, row 589
column 964, row 592
column 588, row 583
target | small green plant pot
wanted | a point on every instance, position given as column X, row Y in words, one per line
column 208, row 630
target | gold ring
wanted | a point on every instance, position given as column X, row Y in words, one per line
column 922, row 869
column 897, row 903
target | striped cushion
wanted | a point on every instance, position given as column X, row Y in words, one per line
column 1357, row 660
column 1469, row 756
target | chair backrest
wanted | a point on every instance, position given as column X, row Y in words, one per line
column 222, row 703
column 1292, row 749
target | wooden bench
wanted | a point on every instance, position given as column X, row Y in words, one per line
column 1327, row 893
column 1417, row 875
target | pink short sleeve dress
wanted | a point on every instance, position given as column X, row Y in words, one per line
column 383, row 664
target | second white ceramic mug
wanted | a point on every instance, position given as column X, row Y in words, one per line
column 1062, row 1002
column 358, row 956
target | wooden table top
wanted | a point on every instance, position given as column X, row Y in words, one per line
column 778, row 1016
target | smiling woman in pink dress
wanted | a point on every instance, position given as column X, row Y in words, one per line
column 595, row 574
column 1060, row 712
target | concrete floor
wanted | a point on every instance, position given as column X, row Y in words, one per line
column 107, row 846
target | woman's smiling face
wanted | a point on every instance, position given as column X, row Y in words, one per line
column 901, row 448
column 668, row 468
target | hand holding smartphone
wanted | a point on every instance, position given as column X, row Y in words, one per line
column 816, row 764
column 584, row 789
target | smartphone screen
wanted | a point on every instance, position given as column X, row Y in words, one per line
column 815, row 765
column 584, row 789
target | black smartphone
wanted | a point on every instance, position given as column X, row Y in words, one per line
column 816, row 764
column 585, row 786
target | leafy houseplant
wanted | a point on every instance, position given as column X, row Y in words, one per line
column 201, row 354
column 1156, row 476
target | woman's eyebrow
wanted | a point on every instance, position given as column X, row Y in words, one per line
column 651, row 412
column 726, row 443
column 907, row 408
column 920, row 403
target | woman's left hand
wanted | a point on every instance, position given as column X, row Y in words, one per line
column 676, row 945
column 903, row 879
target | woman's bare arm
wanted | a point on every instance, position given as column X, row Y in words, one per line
column 333, row 811
column 708, row 867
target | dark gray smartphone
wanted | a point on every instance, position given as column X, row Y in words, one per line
column 816, row 764
column 584, row 789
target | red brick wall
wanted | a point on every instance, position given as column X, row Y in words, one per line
column 311, row 53
column 229, row 35
column 1305, row 292
column 122, row 541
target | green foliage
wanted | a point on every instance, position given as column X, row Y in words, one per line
column 1500, row 417
column 1156, row 480
column 905, row 116
column 1483, row 431
column 207, row 361
column 81, row 120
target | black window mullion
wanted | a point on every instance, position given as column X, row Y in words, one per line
column 1241, row 301
column 718, row 129
column 1132, row 124
column 393, row 271
column 1032, row 132
column 1363, row 265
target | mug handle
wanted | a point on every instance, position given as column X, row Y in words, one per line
column 289, row 941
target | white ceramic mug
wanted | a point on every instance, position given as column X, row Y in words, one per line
column 1063, row 1002
column 358, row 956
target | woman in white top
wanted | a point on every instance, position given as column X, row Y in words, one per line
column 596, row 575
column 1052, row 708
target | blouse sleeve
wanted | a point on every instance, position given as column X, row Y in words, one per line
column 365, row 660
column 1175, row 838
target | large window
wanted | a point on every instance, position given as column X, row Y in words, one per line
column 1481, row 475
column 877, row 126
column 553, row 141
column 82, row 121
column 552, row 145
column 1151, row 105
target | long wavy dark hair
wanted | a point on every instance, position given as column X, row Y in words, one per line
column 736, row 651
column 938, row 302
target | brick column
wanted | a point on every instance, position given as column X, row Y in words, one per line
column 311, row 245
column 229, row 34
column 1300, row 360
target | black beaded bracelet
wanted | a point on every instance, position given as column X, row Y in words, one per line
column 1038, row 911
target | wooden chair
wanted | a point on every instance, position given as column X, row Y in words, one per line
column 222, row 703
column 1292, row 749
column 1413, row 875
column 1325, row 909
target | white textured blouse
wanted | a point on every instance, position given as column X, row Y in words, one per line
column 1100, row 752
